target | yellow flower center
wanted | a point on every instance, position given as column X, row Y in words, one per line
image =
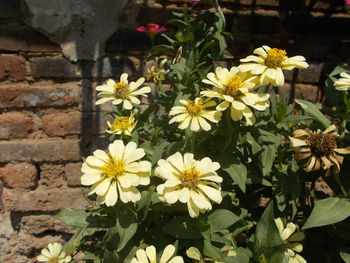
column 53, row 260
column 151, row 25
column 121, row 123
column 232, row 87
column 194, row 108
column 113, row 168
column 322, row 144
column 155, row 74
column 121, row 90
column 189, row 178
column 274, row 57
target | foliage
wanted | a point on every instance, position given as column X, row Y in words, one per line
column 256, row 161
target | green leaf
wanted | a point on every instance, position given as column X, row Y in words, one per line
column 221, row 219
column 158, row 151
column 213, row 252
column 344, row 253
column 238, row 173
column 311, row 110
column 266, row 233
column 182, row 227
column 295, row 118
column 162, row 49
column 74, row 241
column 243, row 256
column 328, row 211
column 267, row 158
column 126, row 225
column 73, row 217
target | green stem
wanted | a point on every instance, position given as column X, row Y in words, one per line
column 230, row 131
column 337, row 179
column 193, row 139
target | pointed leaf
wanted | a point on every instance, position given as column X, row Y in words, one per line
column 328, row 211
column 221, row 219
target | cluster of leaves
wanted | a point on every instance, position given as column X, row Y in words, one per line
column 256, row 161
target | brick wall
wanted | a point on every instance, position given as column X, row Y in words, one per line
column 48, row 119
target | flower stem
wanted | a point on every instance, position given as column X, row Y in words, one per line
column 193, row 139
column 230, row 131
column 337, row 179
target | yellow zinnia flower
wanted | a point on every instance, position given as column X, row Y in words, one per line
column 116, row 173
column 194, row 113
column 149, row 255
column 286, row 232
column 343, row 83
column 234, row 87
column 157, row 72
column 320, row 148
column 54, row 254
column 122, row 91
column 122, row 125
column 269, row 64
column 189, row 181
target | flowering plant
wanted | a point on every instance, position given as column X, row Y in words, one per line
column 182, row 179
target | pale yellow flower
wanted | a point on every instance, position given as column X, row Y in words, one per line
column 116, row 173
column 194, row 113
column 54, row 254
column 320, row 148
column 269, row 63
column 343, row 84
column 234, row 87
column 122, row 125
column 157, row 72
column 122, row 91
column 149, row 255
column 286, row 233
column 189, row 181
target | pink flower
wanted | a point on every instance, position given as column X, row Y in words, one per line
column 348, row 2
column 151, row 29
column 195, row 2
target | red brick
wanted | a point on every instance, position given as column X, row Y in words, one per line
column 15, row 125
column 43, row 199
column 53, row 67
column 268, row 2
column 23, row 38
column 20, row 175
column 30, row 244
column 73, row 174
column 24, row 96
column 310, row 92
column 310, row 75
column 12, row 67
column 60, row 124
column 51, row 175
column 40, row 150
column 38, row 224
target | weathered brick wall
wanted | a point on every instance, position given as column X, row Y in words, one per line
column 48, row 119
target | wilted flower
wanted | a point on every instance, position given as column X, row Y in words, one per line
column 149, row 255
column 234, row 87
column 54, row 254
column 286, row 233
column 343, row 83
column 122, row 125
column 194, row 113
column 157, row 72
column 320, row 148
column 151, row 29
column 189, row 181
column 269, row 64
column 122, row 91
column 116, row 173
